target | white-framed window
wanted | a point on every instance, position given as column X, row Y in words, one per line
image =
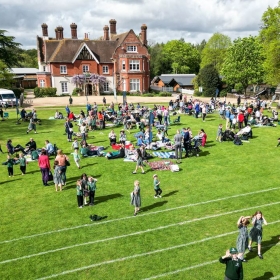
column 131, row 49
column 105, row 69
column 134, row 85
column 42, row 83
column 64, row 87
column 63, row 69
column 85, row 68
column 134, row 65
column 123, row 65
column 106, row 87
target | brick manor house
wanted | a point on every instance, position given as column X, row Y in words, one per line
column 123, row 59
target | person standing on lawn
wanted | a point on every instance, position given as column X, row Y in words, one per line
column 178, row 146
column 44, row 164
column 32, row 125
column 22, row 163
column 139, row 164
column 157, row 188
column 79, row 191
column 234, row 268
column 10, row 166
column 92, row 188
column 70, row 100
column 57, row 176
column 243, row 237
column 255, row 233
column 136, row 198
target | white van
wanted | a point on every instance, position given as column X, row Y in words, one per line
column 7, row 97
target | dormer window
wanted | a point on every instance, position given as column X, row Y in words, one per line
column 105, row 69
column 131, row 48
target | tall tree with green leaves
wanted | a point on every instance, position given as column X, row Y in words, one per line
column 29, row 58
column 6, row 77
column 209, row 79
column 270, row 39
column 215, row 50
column 158, row 65
column 183, row 57
column 10, row 51
column 244, row 62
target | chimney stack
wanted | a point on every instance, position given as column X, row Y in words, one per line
column 60, row 32
column 73, row 27
column 113, row 27
column 106, row 32
column 44, row 30
column 56, row 34
column 144, row 34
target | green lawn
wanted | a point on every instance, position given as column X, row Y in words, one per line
column 45, row 235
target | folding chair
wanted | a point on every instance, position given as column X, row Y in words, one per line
column 6, row 115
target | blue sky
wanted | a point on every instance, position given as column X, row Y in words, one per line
column 193, row 20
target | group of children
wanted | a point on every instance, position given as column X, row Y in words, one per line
column 245, row 238
column 86, row 187
column 21, row 160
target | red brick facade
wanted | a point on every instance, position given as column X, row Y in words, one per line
column 123, row 59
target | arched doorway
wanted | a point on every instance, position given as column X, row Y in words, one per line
column 89, row 89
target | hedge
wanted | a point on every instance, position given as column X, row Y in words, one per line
column 45, row 92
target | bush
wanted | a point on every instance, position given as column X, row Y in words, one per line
column 44, row 92
column 148, row 94
column 197, row 93
column 76, row 91
column 165, row 93
column 223, row 93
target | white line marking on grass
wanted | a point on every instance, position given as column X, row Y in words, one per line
column 132, row 217
column 196, row 266
column 134, row 233
column 146, row 254
column 181, row 270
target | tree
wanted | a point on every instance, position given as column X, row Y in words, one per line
column 209, row 79
column 244, row 62
column 201, row 46
column 182, row 57
column 158, row 65
column 270, row 39
column 10, row 52
column 6, row 77
column 29, row 58
column 214, row 51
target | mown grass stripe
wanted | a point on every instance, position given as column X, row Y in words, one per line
column 143, row 255
column 135, row 233
column 132, row 217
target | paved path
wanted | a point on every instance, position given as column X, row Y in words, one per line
column 30, row 101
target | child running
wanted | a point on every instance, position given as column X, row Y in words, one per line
column 255, row 233
column 77, row 157
column 157, row 188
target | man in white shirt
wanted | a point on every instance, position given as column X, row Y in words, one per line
column 49, row 147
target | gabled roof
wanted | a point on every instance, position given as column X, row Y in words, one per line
column 84, row 45
column 66, row 50
column 120, row 37
column 21, row 71
column 181, row 79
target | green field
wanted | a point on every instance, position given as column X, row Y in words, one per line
column 44, row 234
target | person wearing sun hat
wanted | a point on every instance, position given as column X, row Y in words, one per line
column 234, row 268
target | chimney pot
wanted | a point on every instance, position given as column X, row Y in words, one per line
column 144, row 34
column 73, row 27
column 60, row 32
column 106, row 32
column 113, row 27
column 44, row 30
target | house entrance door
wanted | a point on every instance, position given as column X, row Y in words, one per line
column 89, row 89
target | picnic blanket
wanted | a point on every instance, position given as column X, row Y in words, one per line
column 160, row 165
column 118, row 146
column 164, row 154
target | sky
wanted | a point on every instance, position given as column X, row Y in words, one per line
column 192, row 20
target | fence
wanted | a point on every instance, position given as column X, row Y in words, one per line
column 162, row 89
